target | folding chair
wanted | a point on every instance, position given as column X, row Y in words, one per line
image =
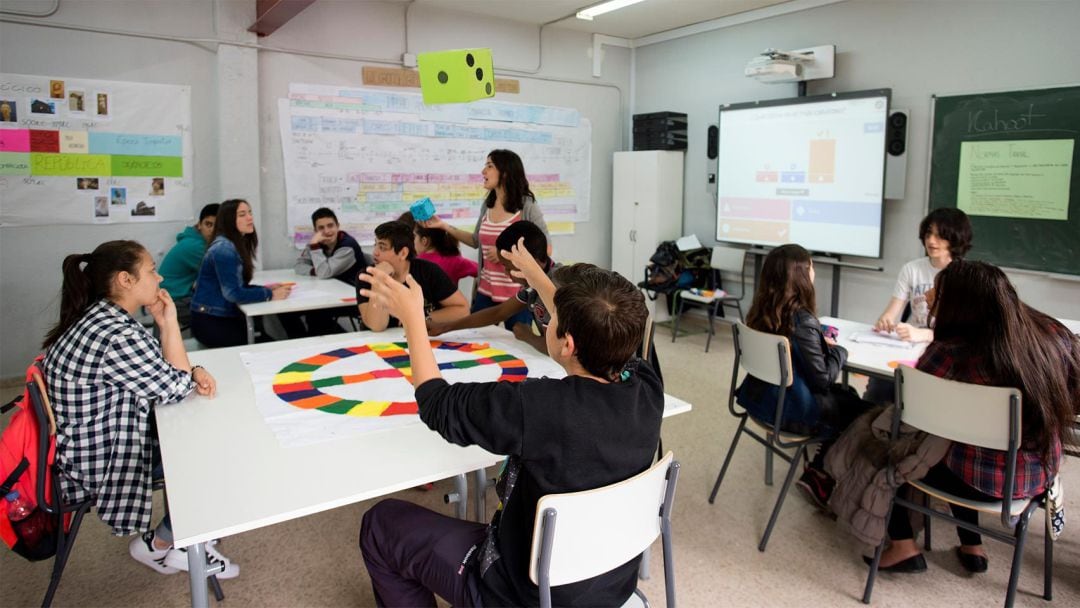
column 767, row 357
column 727, row 267
column 64, row 513
column 580, row 535
column 984, row 416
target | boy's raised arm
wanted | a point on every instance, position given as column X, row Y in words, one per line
column 406, row 302
column 531, row 271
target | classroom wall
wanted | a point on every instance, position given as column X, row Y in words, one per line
column 235, row 134
column 917, row 48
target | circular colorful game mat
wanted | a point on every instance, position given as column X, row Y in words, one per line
column 294, row 384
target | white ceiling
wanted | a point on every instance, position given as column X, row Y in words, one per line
column 642, row 19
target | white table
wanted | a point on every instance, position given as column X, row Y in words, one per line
column 228, row 474
column 310, row 293
column 870, row 359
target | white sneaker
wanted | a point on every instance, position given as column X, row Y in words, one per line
column 177, row 558
column 142, row 549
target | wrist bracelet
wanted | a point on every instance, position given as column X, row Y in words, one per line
column 195, row 367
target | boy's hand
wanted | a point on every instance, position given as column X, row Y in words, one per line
column 527, row 268
column 406, row 302
column 435, row 328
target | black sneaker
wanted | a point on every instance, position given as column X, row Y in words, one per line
column 816, row 487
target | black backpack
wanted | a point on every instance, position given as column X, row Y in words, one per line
column 662, row 274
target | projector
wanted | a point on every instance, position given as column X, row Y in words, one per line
column 769, row 69
column 792, row 66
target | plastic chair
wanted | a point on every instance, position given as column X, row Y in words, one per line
column 984, row 416
column 70, row 514
column 727, row 267
column 580, row 535
column 767, row 357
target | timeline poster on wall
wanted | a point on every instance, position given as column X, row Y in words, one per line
column 368, row 154
column 80, row 151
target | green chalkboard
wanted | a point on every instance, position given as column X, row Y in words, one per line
column 1004, row 158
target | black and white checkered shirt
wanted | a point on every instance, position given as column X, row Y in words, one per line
column 104, row 375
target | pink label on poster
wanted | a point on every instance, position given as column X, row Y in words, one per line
column 14, row 140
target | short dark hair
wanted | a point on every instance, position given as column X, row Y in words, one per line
column 950, row 224
column 399, row 234
column 535, row 241
column 322, row 212
column 605, row 313
column 209, row 211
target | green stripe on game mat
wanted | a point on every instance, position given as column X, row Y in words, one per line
column 465, row 364
column 299, row 367
column 400, row 364
column 336, row 380
column 147, row 166
column 14, row 163
column 341, row 407
column 71, row 165
column 498, row 358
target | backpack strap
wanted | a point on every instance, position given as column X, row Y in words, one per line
column 16, row 473
column 10, row 404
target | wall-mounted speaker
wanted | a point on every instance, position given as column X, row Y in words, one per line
column 713, row 145
column 896, row 153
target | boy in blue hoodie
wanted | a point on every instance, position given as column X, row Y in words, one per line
column 180, row 267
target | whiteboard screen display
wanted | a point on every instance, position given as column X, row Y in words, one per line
column 809, row 170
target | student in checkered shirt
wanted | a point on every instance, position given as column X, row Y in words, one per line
column 104, row 374
column 984, row 334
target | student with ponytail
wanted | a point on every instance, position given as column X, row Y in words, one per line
column 105, row 373
column 225, row 279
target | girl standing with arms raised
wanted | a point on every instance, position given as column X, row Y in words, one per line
column 105, row 373
column 509, row 200
column 225, row 279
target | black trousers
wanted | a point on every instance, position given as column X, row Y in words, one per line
column 314, row 322
column 218, row 332
column 942, row 477
column 412, row 553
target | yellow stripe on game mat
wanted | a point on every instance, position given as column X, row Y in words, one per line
column 368, row 409
column 291, row 377
column 487, row 352
column 384, row 346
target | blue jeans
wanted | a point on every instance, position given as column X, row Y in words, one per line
column 481, row 301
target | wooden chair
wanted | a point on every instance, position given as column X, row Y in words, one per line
column 579, row 535
column 984, row 416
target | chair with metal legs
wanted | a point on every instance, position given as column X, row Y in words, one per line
column 984, row 416
column 767, row 357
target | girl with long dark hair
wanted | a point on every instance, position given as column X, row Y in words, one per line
column 785, row 304
column 984, row 334
column 225, row 279
column 508, row 200
column 104, row 374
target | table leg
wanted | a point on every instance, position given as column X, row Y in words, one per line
column 480, row 500
column 196, row 555
column 461, row 485
column 250, row 328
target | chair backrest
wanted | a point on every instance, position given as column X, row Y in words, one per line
column 731, row 263
column 601, row 529
column 767, row 357
column 985, row 416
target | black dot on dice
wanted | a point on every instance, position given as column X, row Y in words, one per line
column 469, row 60
column 487, row 88
column 479, row 73
column 443, row 77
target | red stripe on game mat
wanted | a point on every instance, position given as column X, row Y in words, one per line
column 512, row 378
column 359, row 349
column 296, row 386
column 401, row 407
column 386, row 373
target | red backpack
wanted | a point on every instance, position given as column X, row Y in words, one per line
column 20, row 468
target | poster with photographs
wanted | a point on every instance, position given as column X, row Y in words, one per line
column 82, row 151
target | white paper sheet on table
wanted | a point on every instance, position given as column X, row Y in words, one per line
column 870, row 337
column 294, row 426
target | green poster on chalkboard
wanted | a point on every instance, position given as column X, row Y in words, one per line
column 1009, row 160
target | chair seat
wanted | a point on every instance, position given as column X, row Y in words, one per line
column 1018, row 504
column 784, row 436
column 693, row 297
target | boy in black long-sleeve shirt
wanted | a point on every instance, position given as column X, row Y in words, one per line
column 597, row 426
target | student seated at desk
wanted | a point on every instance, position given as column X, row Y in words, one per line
column 999, row 341
column 180, row 267
column 597, row 426
column 394, row 256
column 225, row 279
column 331, row 254
column 815, row 404
column 535, row 243
column 105, row 374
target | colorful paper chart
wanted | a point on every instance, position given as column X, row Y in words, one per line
column 294, row 383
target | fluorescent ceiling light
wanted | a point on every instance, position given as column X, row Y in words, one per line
column 604, row 7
